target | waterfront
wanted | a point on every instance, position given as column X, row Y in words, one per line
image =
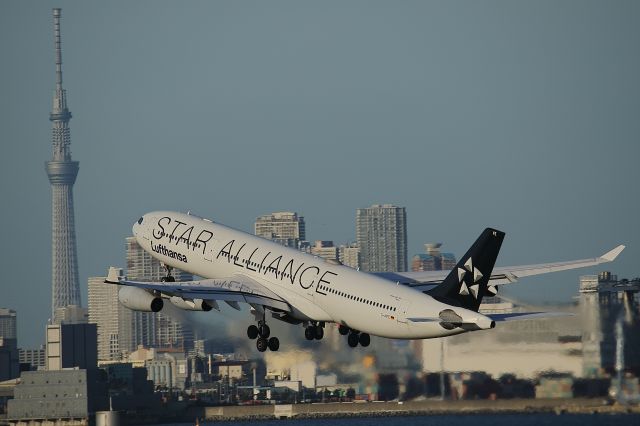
column 415, row 410
column 537, row 419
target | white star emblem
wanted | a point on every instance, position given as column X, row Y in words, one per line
column 477, row 276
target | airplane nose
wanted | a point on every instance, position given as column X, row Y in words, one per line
column 136, row 225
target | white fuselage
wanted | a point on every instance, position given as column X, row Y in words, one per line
column 315, row 289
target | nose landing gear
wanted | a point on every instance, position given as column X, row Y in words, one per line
column 168, row 278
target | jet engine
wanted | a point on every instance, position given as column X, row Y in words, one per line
column 138, row 299
column 193, row 304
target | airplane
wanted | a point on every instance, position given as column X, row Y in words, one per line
column 286, row 284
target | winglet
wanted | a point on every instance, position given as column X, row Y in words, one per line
column 611, row 255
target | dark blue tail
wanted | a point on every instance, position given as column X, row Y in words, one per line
column 467, row 283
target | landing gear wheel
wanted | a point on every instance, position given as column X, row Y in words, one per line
column 274, row 344
column 261, row 344
column 309, row 333
column 252, row 332
column 343, row 330
column 353, row 340
column 264, row 331
column 318, row 332
column 364, row 339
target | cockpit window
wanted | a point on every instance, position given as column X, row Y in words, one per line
column 140, row 221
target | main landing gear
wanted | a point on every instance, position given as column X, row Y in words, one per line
column 168, row 278
column 314, row 331
column 355, row 337
column 261, row 332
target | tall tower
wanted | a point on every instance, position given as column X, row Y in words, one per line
column 62, row 172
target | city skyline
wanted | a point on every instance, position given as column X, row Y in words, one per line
column 519, row 134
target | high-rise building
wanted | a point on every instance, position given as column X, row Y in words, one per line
column 325, row 250
column 349, row 255
column 69, row 396
column 71, row 314
column 62, row 172
column 34, row 357
column 112, row 319
column 8, row 324
column 381, row 233
column 433, row 259
column 71, row 345
column 286, row 228
column 155, row 329
column 9, row 359
column 605, row 300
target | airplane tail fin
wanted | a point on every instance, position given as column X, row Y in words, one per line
column 467, row 283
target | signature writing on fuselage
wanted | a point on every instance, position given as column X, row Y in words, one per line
column 305, row 276
column 182, row 236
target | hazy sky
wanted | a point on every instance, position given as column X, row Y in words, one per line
column 524, row 116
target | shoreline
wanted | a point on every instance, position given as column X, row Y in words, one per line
column 337, row 410
column 414, row 408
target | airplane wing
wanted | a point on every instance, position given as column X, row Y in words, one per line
column 232, row 290
column 501, row 275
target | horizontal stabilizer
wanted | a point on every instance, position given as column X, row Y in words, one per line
column 527, row 316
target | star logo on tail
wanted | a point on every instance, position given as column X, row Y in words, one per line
column 472, row 284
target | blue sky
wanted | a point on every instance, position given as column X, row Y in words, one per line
column 520, row 115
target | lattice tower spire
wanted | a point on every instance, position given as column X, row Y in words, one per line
column 62, row 172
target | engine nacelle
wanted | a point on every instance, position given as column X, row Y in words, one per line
column 192, row 305
column 138, row 299
column 472, row 321
column 480, row 322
